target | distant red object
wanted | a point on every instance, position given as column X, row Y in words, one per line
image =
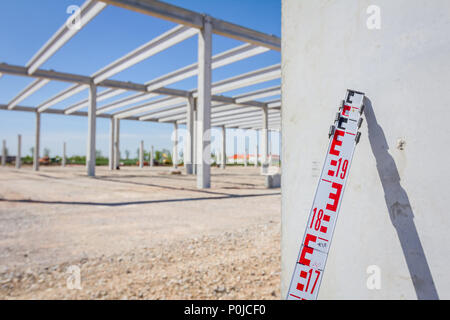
column 44, row 160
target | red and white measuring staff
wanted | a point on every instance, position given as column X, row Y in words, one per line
column 316, row 242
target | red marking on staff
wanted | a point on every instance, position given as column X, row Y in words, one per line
column 333, row 162
column 346, row 108
column 350, row 133
column 336, row 142
column 295, row 296
column 331, row 173
column 306, row 249
column 326, row 217
column 322, row 239
column 334, row 196
column 300, row 287
column 327, row 180
column 323, row 229
column 303, row 274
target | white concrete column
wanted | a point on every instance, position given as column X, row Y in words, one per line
column 116, row 143
column 111, row 144
column 141, row 154
column 4, row 153
column 188, row 143
column 150, row 161
column 224, row 148
column 19, row 152
column 194, row 147
column 204, row 104
column 37, row 142
column 235, row 148
column 264, row 136
column 279, row 148
column 175, row 145
column 256, row 149
column 64, row 157
column 90, row 154
column 269, row 139
column 246, row 151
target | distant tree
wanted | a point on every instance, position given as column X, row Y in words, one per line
column 127, row 154
column 46, row 152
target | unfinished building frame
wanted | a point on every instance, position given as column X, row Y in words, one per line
column 199, row 109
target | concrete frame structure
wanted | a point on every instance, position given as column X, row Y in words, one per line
column 196, row 108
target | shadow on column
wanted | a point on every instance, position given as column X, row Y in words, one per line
column 399, row 208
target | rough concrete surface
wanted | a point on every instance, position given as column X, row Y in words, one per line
column 137, row 234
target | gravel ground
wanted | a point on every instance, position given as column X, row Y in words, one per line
column 137, row 234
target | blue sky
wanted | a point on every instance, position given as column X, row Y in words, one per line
column 25, row 25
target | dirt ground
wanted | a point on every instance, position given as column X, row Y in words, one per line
column 137, row 234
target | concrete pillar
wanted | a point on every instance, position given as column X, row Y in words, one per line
column 256, row 149
column 204, row 104
column 90, row 154
column 64, row 157
column 37, row 142
column 246, row 151
column 264, row 136
column 279, row 148
column 150, row 160
column 4, row 153
column 188, row 143
column 224, row 148
column 175, row 145
column 19, row 152
column 111, row 144
column 235, row 149
column 141, row 154
column 116, row 143
column 194, row 147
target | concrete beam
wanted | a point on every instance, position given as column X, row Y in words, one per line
column 193, row 19
column 160, row 43
column 89, row 10
column 28, row 91
column 258, row 94
column 149, row 106
column 106, row 94
column 230, row 56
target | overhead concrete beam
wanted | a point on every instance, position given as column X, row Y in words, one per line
column 193, row 19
